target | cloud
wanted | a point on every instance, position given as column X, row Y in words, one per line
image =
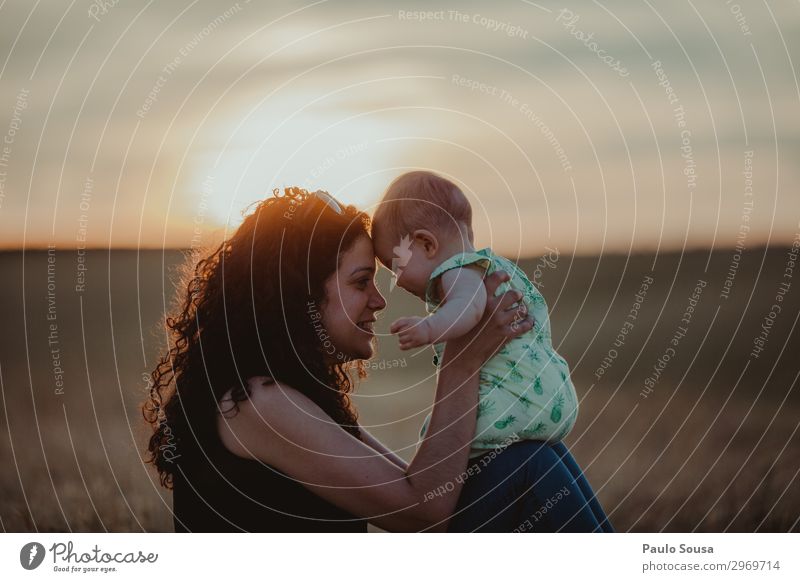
column 150, row 99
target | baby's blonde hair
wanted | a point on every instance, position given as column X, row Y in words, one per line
column 421, row 199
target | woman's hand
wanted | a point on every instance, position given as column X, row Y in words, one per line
column 502, row 321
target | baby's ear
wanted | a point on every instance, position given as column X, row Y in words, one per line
column 428, row 241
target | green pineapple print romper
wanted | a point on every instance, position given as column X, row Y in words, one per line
column 525, row 390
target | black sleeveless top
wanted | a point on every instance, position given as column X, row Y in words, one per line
column 216, row 491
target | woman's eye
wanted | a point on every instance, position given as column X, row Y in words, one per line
column 362, row 284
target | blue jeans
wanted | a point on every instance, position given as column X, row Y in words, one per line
column 530, row 486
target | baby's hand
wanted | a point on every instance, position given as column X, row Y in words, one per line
column 413, row 332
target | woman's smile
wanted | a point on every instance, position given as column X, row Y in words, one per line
column 367, row 325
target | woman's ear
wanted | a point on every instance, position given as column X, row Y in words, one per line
column 428, row 241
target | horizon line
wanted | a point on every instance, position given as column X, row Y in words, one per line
column 574, row 252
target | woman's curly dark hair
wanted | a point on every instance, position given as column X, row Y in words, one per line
column 243, row 312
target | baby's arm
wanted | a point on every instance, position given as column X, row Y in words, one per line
column 463, row 305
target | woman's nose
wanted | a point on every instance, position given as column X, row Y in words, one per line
column 376, row 300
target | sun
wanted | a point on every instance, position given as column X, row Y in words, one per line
column 340, row 152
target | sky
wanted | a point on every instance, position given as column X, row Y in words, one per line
column 588, row 127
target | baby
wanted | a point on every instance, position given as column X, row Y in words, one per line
column 422, row 231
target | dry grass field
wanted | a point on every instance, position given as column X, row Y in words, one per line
column 711, row 445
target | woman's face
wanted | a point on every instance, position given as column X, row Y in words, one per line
column 352, row 300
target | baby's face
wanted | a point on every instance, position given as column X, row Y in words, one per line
column 407, row 261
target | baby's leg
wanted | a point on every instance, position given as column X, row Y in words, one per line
column 580, row 479
column 524, row 488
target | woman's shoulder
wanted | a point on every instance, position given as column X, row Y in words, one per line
column 262, row 393
column 267, row 411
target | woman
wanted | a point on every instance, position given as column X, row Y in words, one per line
column 253, row 427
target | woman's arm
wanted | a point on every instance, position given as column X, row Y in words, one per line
column 374, row 443
column 285, row 429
